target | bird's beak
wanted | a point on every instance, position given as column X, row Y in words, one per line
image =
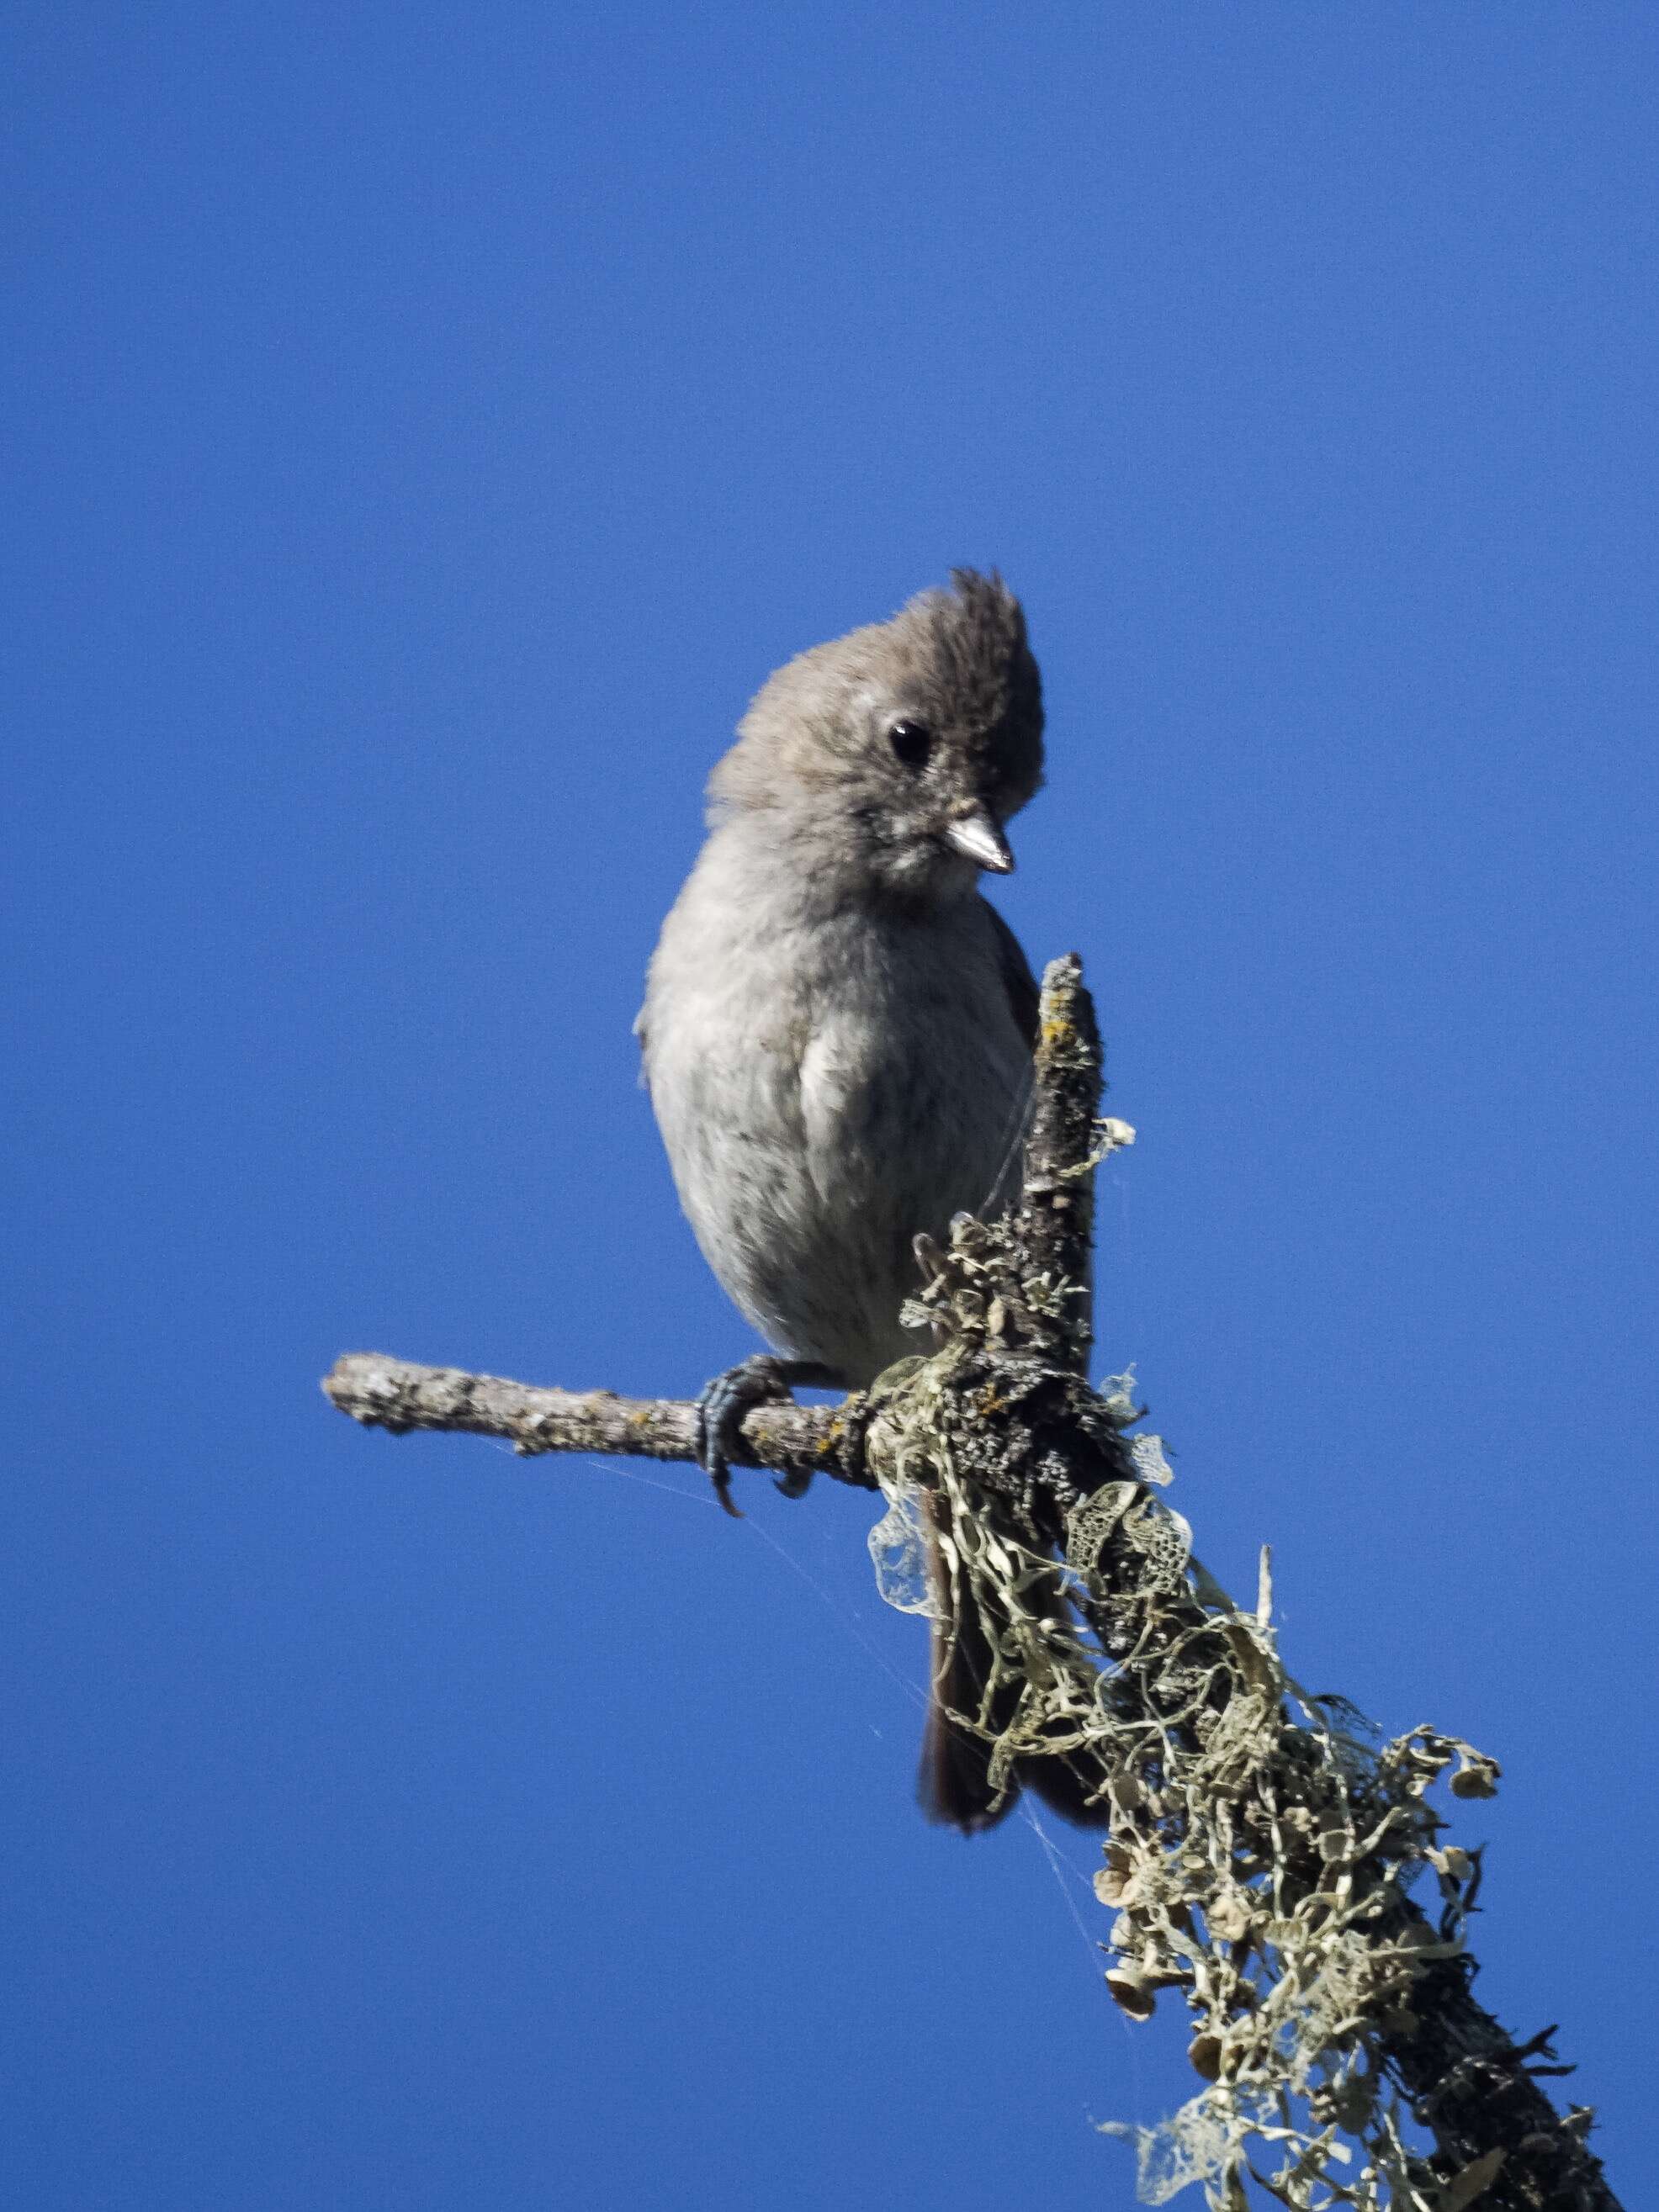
column 978, row 835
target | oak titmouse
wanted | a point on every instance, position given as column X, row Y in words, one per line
column 838, row 1027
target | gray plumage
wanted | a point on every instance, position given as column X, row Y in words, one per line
column 837, row 1027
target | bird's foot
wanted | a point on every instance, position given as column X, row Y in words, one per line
column 724, row 1405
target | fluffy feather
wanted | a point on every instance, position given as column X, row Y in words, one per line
column 837, row 1028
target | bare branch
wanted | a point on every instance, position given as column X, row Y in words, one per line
column 398, row 1395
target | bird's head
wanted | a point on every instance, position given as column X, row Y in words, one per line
column 893, row 757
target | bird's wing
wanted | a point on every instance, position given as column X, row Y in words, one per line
column 1023, row 996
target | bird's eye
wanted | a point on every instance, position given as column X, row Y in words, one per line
column 912, row 742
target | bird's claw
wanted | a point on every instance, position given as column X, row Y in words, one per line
column 725, row 1404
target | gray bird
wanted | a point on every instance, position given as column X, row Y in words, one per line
column 837, row 1032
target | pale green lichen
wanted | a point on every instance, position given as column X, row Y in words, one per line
column 1262, row 1844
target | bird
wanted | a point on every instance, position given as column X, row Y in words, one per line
column 837, row 1038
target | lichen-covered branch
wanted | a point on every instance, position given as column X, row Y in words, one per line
column 1265, row 1856
column 1263, row 1861
column 1477, row 2090
column 1057, row 1189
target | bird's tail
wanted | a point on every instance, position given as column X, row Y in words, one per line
column 954, row 1785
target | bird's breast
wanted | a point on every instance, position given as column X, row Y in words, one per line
column 824, row 1094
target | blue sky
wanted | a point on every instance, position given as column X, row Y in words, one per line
column 426, row 428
